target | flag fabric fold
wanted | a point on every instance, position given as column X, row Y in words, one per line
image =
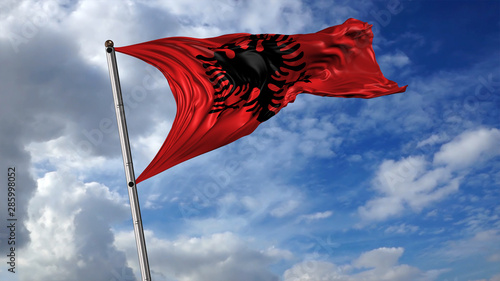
column 226, row 86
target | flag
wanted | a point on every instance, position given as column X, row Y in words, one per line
column 226, row 86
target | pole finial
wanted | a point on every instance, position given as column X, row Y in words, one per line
column 109, row 43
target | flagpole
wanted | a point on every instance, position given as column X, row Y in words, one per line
column 127, row 162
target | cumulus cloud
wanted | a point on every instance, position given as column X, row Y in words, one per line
column 70, row 231
column 314, row 270
column 220, row 256
column 18, row 128
column 57, row 115
column 415, row 183
column 404, row 183
column 379, row 264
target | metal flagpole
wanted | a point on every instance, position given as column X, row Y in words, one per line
column 127, row 162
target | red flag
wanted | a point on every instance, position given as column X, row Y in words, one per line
column 226, row 86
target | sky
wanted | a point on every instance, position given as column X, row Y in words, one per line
column 401, row 187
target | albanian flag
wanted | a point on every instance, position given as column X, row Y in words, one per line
column 226, row 86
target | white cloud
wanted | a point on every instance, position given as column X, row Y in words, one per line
column 391, row 62
column 379, row 264
column 469, row 148
column 285, row 208
column 220, row 256
column 479, row 244
column 354, row 158
column 402, row 228
column 62, row 154
column 56, row 71
column 253, row 203
column 398, row 59
column 314, row 270
column 414, row 183
column 147, row 146
column 71, row 236
column 299, row 138
column 315, row 216
column 434, row 139
column 239, row 16
column 407, row 183
column 381, row 258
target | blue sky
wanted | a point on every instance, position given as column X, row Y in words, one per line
column 402, row 187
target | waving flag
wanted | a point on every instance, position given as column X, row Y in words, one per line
column 226, row 86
